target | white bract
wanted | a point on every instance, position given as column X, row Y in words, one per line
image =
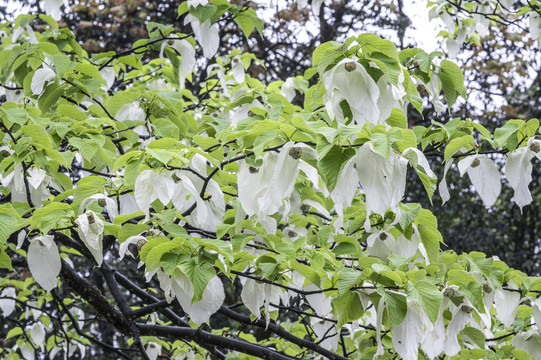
column 90, row 229
column 351, row 80
column 38, row 182
column 262, row 190
column 484, row 176
column 220, row 72
column 462, row 315
column 196, row 3
column 206, row 34
column 506, row 303
column 237, row 68
column 408, row 334
column 187, row 52
column 108, row 74
column 153, row 350
column 383, row 180
column 288, row 89
column 518, row 170
column 211, row 300
column 442, row 187
column 41, row 77
column 535, row 24
column 7, row 305
column 132, row 111
column 44, row 261
column 110, row 205
column 52, row 8
column 123, row 248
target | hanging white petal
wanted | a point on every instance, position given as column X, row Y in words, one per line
column 529, row 341
column 484, row 176
column 535, row 25
column 7, row 305
column 153, row 350
column 442, row 187
column 253, row 296
column 41, row 77
column 37, row 333
column 506, row 303
column 196, row 3
column 461, row 317
column 110, row 204
column 144, row 191
column 434, row 339
column 130, row 111
column 52, row 8
column 207, row 35
column 221, row 76
column 90, row 229
column 237, row 68
column 419, row 159
column 379, row 319
column 211, row 300
column 318, row 301
column 358, row 88
column 27, row 351
column 325, row 332
column 44, row 261
column 108, row 74
column 262, row 190
column 187, row 52
column 288, row 89
column 128, row 204
column 123, row 248
column 518, row 171
column 453, row 47
column 316, row 6
column 386, row 101
column 383, row 180
column 345, row 189
column 408, row 334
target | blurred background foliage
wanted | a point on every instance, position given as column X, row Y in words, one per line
column 502, row 72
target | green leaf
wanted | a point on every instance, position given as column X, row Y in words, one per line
column 454, row 145
column 325, row 54
column 475, row 335
column 220, row 246
column 248, row 21
column 128, row 230
column 396, row 307
column 501, row 135
column 474, row 292
column 397, row 119
column 372, row 43
column 348, row 307
column 347, row 279
column 427, row 224
column 90, row 71
column 49, row 97
column 199, row 275
column 5, row 261
column 203, row 13
column 452, row 81
column 17, row 115
column 38, row 133
column 332, row 162
column 428, row 296
column 408, row 214
column 383, row 142
column 8, row 225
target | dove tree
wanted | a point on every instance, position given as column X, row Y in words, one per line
column 139, row 219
